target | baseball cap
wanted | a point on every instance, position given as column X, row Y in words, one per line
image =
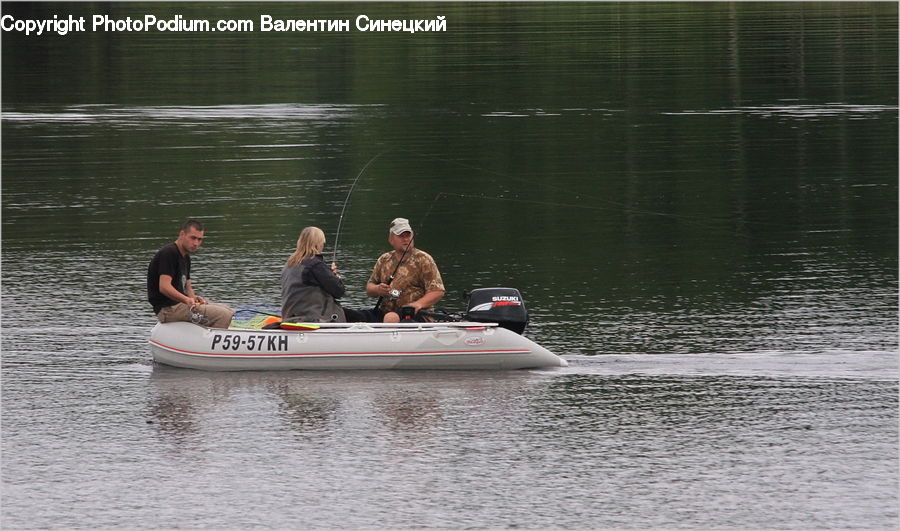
column 400, row 225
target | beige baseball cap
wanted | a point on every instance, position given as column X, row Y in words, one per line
column 399, row 226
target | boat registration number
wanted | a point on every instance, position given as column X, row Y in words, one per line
column 249, row 342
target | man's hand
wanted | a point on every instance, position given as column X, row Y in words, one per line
column 384, row 289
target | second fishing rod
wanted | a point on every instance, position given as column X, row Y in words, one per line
column 393, row 293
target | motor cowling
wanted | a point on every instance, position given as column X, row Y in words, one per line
column 504, row 306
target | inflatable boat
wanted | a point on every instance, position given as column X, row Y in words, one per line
column 489, row 338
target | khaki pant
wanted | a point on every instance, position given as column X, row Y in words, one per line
column 209, row 314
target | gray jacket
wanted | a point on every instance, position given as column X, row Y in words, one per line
column 305, row 299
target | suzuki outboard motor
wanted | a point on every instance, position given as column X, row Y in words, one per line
column 504, row 306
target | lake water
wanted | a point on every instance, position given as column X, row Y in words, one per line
column 697, row 200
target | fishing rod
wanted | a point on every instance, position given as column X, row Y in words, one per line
column 391, row 278
column 256, row 311
column 346, row 201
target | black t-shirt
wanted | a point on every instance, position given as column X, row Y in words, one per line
column 167, row 261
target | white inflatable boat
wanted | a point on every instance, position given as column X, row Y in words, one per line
column 456, row 345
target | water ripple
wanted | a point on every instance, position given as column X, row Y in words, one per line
column 798, row 111
column 124, row 115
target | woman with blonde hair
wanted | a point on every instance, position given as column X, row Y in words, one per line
column 309, row 288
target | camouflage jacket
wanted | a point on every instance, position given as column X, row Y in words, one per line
column 417, row 275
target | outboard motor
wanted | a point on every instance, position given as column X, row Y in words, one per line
column 504, row 306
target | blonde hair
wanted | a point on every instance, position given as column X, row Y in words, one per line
column 310, row 243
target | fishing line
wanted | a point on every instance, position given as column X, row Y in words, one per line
column 337, row 234
column 612, row 205
column 567, row 205
column 527, row 182
column 430, row 208
column 708, row 222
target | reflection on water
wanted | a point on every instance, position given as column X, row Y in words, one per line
column 174, row 415
column 761, row 440
column 306, row 412
column 312, row 402
column 600, row 447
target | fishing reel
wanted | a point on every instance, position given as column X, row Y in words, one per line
column 395, row 294
column 198, row 317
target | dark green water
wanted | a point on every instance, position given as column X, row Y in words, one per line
column 691, row 197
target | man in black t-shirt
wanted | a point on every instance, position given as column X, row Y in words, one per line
column 169, row 283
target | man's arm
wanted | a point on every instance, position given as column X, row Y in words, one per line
column 377, row 289
column 168, row 289
column 431, row 282
column 190, row 290
column 428, row 300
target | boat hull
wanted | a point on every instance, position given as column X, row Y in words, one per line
column 462, row 346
